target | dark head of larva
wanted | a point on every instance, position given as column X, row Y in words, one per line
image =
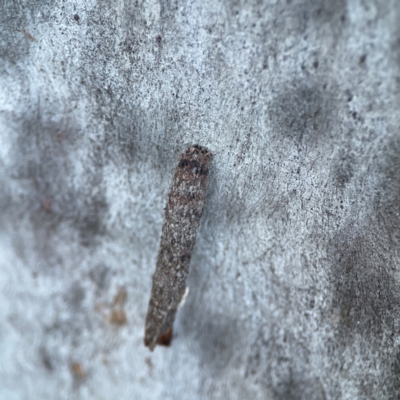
column 195, row 158
column 198, row 151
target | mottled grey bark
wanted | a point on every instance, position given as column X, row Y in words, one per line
column 294, row 279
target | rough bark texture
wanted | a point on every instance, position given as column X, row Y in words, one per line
column 294, row 279
column 182, row 217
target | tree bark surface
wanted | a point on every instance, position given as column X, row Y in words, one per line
column 295, row 276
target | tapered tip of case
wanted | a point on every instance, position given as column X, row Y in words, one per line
column 164, row 339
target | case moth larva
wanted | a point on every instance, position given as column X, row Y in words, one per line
column 182, row 217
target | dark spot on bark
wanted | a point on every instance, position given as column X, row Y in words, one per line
column 46, row 359
column 394, row 53
column 393, row 382
column 315, row 64
column 217, row 336
column 100, row 276
column 304, row 114
column 323, row 11
column 215, row 339
column 349, row 96
column 76, row 17
column 298, row 388
column 387, row 198
column 43, row 162
column 343, row 168
column 365, row 258
column 282, row 365
column 365, row 293
column 75, row 296
column 362, row 59
column 11, row 22
column 90, row 224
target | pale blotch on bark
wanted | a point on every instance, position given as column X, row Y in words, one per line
column 182, row 217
